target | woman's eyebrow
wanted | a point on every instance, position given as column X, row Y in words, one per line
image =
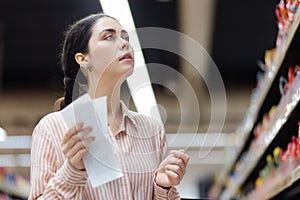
column 111, row 30
column 124, row 31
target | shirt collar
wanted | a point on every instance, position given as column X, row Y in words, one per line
column 127, row 114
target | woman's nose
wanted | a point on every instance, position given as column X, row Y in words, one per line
column 124, row 44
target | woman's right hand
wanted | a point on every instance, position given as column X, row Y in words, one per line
column 75, row 145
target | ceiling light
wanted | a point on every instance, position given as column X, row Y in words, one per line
column 2, row 135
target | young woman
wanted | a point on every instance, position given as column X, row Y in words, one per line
column 97, row 48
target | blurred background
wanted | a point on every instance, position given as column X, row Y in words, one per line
column 234, row 33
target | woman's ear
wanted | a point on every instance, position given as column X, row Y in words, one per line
column 81, row 60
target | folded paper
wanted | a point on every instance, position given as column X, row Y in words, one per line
column 100, row 162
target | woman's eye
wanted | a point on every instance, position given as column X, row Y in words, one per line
column 109, row 37
column 126, row 38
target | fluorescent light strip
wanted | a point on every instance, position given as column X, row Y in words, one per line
column 143, row 97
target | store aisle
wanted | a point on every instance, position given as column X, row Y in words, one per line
column 22, row 108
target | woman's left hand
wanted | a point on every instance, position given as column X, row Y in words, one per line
column 172, row 169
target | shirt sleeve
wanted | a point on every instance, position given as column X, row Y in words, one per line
column 159, row 192
column 49, row 181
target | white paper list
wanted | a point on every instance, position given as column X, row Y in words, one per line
column 100, row 163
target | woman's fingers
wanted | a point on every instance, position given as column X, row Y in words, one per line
column 77, row 158
column 181, row 155
column 75, row 138
column 173, row 177
column 79, row 146
column 176, row 162
column 177, row 171
column 74, row 144
column 76, row 128
column 172, row 169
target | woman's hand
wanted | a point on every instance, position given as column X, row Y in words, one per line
column 172, row 169
column 74, row 145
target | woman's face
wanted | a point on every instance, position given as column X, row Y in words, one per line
column 110, row 54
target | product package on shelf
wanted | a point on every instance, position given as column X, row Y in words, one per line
column 279, row 172
column 272, row 106
column 13, row 186
column 266, row 131
column 285, row 13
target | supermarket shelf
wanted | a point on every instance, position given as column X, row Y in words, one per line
column 15, row 160
column 190, row 140
column 281, row 183
column 214, row 143
column 19, row 192
column 245, row 128
column 270, row 75
column 286, row 106
column 16, row 142
column 261, row 93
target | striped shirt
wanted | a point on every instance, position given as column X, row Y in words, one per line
column 141, row 145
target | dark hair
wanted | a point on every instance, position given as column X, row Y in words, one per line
column 76, row 40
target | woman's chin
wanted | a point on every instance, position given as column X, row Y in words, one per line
column 130, row 72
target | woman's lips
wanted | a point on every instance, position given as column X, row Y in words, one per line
column 126, row 57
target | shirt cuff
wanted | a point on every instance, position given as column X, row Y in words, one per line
column 161, row 192
column 72, row 176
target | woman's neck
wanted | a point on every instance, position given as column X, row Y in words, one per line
column 114, row 112
column 114, row 106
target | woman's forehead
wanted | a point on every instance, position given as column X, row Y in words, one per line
column 107, row 23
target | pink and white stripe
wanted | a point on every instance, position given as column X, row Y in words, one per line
column 141, row 145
